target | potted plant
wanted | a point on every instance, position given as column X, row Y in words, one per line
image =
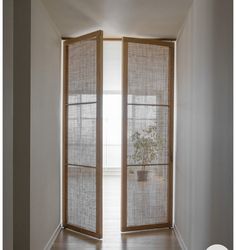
column 147, row 144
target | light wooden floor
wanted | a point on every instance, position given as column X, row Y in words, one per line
column 162, row 239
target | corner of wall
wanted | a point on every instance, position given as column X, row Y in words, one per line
column 179, row 238
column 53, row 238
column 52, row 23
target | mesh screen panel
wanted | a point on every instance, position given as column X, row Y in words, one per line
column 82, row 72
column 82, row 197
column 147, row 73
column 147, row 201
column 82, row 134
column 147, row 134
column 141, row 119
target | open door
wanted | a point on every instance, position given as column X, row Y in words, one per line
column 83, row 134
column 147, row 134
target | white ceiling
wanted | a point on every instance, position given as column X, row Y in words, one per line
column 145, row 18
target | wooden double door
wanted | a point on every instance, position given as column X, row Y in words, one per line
column 147, row 137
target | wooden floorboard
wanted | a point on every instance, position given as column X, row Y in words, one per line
column 161, row 239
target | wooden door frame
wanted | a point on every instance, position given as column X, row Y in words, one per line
column 170, row 45
column 98, row 36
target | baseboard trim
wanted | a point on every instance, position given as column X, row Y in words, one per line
column 180, row 239
column 53, row 238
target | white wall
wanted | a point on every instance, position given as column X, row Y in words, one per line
column 204, row 163
column 45, row 127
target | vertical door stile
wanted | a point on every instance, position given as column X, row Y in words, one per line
column 99, row 143
column 64, row 156
column 124, row 137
